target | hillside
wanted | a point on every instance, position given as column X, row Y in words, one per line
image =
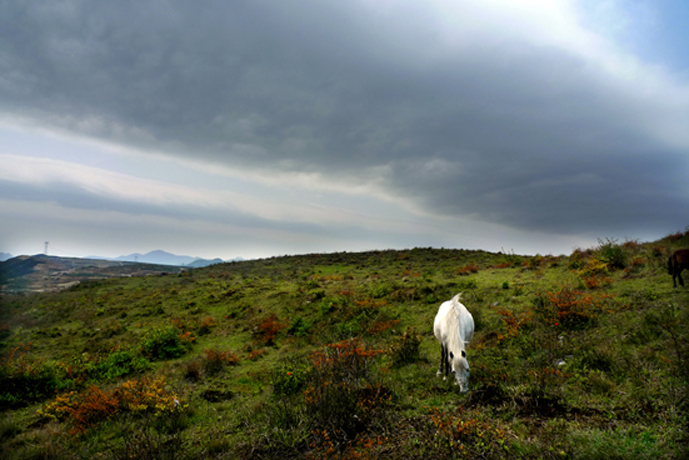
column 41, row 273
column 332, row 356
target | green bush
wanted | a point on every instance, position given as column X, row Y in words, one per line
column 121, row 363
column 166, row 343
column 299, row 327
column 23, row 382
column 289, row 378
column 612, row 253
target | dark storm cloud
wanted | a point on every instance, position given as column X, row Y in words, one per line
column 496, row 127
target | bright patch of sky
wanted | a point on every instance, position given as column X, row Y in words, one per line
column 653, row 30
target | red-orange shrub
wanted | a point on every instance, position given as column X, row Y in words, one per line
column 268, row 329
column 568, row 308
column 468, row 270
column 512, row 323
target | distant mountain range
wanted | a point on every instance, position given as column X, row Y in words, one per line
column 165, row 258
column 5, row 256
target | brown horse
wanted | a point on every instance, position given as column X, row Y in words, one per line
column 678, row 261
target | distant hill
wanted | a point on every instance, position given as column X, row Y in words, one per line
column 198, row 263
column 165, row 258
column 40, row 273
column 4, row 256
column 158, row 257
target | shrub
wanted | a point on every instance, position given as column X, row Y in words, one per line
column 121, row 363
column 299, row 327
column 568, row 308
column 512, row 323
column 166, row 343
column 593, row 267
column 289, row 378
column 95, row 404
column 23, row 381
column 342, row 396
column 206, row 326
column 268, row 329
column 216, row 360
column 463, row 436
column 468, row 270
column 612, row 253
column 406, row 349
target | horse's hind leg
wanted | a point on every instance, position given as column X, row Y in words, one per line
column 681, row 281
column 443, row 361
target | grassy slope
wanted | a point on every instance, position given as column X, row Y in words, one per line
column 620, row 393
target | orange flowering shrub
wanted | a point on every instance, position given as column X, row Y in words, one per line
column 568, row 308
column 594, row 282
column 503, row 265
column 468, row 269
column 268, row 329
column 94, row 405
column 513, row 323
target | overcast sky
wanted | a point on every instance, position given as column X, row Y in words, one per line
column 256, row 128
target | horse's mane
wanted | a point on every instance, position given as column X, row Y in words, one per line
column 454, row 341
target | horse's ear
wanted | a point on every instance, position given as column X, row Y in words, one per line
column 464, row 354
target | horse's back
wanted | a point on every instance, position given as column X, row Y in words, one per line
column 465, row 322
column 681, row 257
column 440, row 322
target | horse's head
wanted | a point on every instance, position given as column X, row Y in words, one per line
column 460, row 369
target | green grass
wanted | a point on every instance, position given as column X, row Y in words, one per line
column 333, row 356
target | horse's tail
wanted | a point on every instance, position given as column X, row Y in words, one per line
column 670, row 265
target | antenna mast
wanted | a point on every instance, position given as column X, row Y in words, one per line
column 45, row 251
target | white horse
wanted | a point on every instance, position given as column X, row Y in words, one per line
column 454, row 328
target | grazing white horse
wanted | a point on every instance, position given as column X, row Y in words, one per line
column 454, row 328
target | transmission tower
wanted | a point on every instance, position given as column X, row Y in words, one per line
column 45, row 251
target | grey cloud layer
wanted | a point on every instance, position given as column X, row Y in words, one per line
column 494, row 127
